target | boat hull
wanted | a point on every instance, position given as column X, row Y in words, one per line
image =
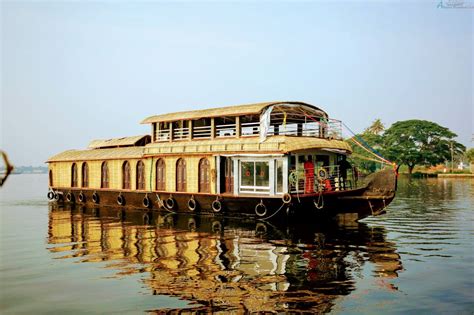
column 354, row 204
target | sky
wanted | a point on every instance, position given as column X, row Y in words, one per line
column 72, row 72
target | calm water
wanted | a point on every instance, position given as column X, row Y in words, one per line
column 418, row 258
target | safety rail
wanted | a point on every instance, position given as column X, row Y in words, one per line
column 180, row 133
column 331, row 129
column 202, row 132
column 223, row 131
column 334, row 129
column 327, row 178
column 250, row 129
column 163, row 135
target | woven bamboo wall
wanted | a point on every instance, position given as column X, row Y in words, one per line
column 62, row 173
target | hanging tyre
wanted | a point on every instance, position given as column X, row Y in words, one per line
column 70, row 197
column 286, row 198
column 147, row 202
column 260, row 210
column 192, row 205
column 81, row 197
column 58, row 196
column 95, row 197
column 50, row 195
column 216, row 206
column 120, row 200
column 170, row 203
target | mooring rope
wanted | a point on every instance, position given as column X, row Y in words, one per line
column 271, row 216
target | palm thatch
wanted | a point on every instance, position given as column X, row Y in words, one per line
column 237, row 110
column 98, row 154
column 120, row 142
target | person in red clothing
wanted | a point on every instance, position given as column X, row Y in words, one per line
column 309, row 175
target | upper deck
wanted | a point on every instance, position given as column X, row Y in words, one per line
column 296, row 119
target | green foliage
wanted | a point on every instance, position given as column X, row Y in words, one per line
column 419, row 142
column 470, row 155
column 360, row 157
column 376, row 128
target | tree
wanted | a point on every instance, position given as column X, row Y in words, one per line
column 470, row 155
column 365, row 161
column 419, row 142
column 376, row 128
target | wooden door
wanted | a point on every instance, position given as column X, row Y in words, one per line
column 126, row 175
column 204, row 178
column 160, row 175
column 229, row 179
column 181, row 175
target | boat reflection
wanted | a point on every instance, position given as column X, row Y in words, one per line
column 223, row 264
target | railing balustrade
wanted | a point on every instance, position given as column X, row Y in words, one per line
column 250, row 129
column 180, row 133
column 223, row 131
column 202, row 132
column 327, row 178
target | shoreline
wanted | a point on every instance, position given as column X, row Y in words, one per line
column 456, row 175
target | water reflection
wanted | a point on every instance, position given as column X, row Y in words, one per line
column 227, row 264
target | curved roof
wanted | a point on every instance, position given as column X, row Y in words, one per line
column 236, row 110
column 120, row 142
column 98, row 154
column 274, row 144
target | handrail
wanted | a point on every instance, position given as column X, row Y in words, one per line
column 327, row 178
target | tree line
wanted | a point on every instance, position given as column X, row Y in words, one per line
column 410, row 142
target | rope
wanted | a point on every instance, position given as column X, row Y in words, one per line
column 367, row 146
column 271, row 216
column 381, row 159
column 367, row 158
column 371, row 151
column 320, row 198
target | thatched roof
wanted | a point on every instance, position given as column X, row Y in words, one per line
column 274, row 144
column 236, row 110
column 98, row 154
column 120, row 142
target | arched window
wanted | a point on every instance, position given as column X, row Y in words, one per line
column 104, row 178
column 85, row 175
column 126, row 183
column 140, row 175
column 204, row 178
column 160, row 175
column 180, row 175
column 74, row 175
column 50, row 178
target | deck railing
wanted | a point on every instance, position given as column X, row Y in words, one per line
column 181, row 133
column 202, row 132
column 326, row 178
column 327, row 129
column 224, row 131
column 163, row 135
column 250, row 129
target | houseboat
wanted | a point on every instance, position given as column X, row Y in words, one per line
column 272, row 159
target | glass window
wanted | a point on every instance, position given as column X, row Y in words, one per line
column 254, row 176
column 279, row 176
column 261, row 174
column 247, row 171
